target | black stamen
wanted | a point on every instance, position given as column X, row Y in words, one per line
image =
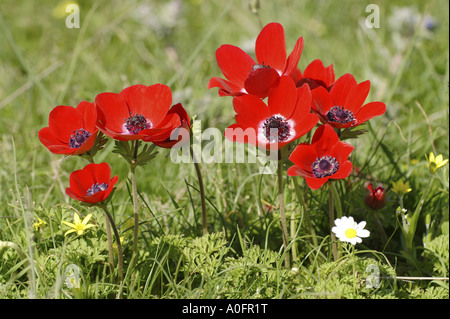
column 276, row 129
column 78, row 138
column 96, row 188
column 136, row 123
column 260, row 66
column 340, row 115
column 325, row 166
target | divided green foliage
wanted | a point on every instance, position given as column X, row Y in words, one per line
column 44, row 64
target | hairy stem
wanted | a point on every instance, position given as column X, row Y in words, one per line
column 202, row 192
column 110, row 246
column 302, row 200
column 135, row 200
column 119, row 245
column 331, row 215
column 282, row 214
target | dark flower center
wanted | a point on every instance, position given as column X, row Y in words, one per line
column 325, row 166
column 340, row 115
column 136, row 123
column 276, row 129
column 78, row 138
column 260, row 66
column 96, row 188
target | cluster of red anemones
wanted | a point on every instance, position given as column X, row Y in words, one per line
column 296, row 102
column 138, row 112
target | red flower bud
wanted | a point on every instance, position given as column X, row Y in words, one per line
column 376, row 198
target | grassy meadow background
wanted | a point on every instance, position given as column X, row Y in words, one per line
column 121, row 43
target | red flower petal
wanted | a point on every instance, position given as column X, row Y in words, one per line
column 260, row 81
column 316, row 74
column 283, row 97
column 73, row 194
column 321, row 100
column 88, row 114
column 234, row 63
column 304, row 100
column 324, row 139
column 304, row 123
column 181, row 112
column 63, row 121
column 250, row 110
column 270, row 47
column 341, row 151
column 303, row 156
column 101, row 173
column 344, row 170
column 236, row 133
column 153, row 102
column 315, row 70
column 80, row 181
column 164, row 130
column 112, row 110
column 356, row 96
column 341, row 88
column 296, row 170
column 226, row 87
column 369, row 111
column 291, row 69
column 316, row 183
column 52, row 143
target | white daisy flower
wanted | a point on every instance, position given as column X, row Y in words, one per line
column 348, row 230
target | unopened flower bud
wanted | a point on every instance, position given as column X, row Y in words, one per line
column 376, row 198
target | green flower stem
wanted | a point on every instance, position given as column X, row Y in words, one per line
column 202, row 192
column 331, row 216
column 336, row 199
column 119, row 244
column 110, row 246
column 135, row 195
column 302, row 201
column 282, row 214
column 410, row 222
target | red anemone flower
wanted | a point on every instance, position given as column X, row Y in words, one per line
column 139, row 112
column 376, row 198
column 174, row 137
column 316, row 74
column 92, row 184
column 342, row 106
column 286, row 117
column 244, row 75
column 325, row 158
column 70, row 131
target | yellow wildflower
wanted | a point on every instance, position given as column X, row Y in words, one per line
column 78, row 226
column 434, row 163
column 39, row 224
column 401, row 188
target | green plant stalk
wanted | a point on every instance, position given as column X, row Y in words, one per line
column 110, row 246
column 119, row 245
column 135, row 200
column 336, row 199
column 331, row 217
column 302, row 201
column 410, row 231
column 282, row 213
column 202, row 191
column 202, row 196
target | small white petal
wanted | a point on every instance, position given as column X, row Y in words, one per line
column 364, row 233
